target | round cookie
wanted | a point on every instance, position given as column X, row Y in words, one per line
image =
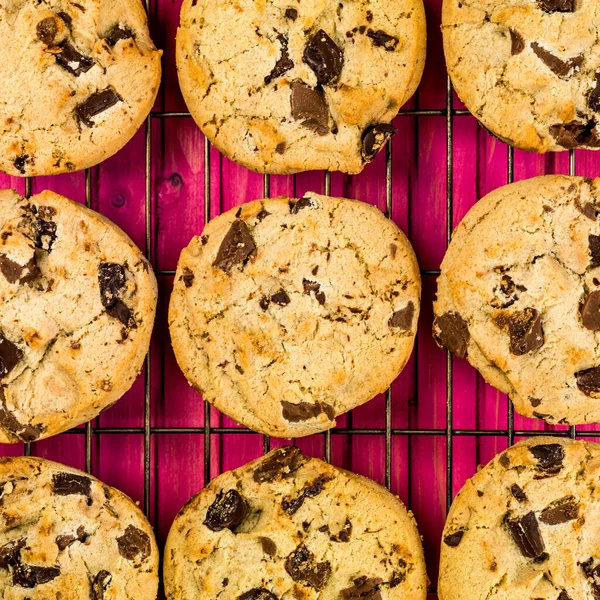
column 288, row 526
column 78, row 80
column 283, row 86
column 77, row 304
column 64, row 534
column 519, row 296
column 286, row 313
column 526, row 526
column 529, row 70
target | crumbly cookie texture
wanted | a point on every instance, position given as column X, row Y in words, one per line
column 519, row 296
column 78, row 80
column 529, row 70
column 282, row 86
column 64, row 534
column 281, row 306
column 526, row 526
column 77, row 304
column 288, row 526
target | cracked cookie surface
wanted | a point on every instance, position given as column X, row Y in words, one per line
column 286, row 313
column 77, row 305
column 529, row 70
column 79, row 78
column 64, row 534
column 283, row 86
column 519, row 295
column 526, row 526
column 288, row 526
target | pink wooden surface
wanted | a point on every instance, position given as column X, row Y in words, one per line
column 418, row 397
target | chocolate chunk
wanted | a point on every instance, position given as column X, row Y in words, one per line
column 549, row 458
column 46, row 30
column 227, row 511
column 66, row 17
column 71, row 60
column 314, row 287
column 10, row 553
column 324, row 57
column 518, row 493
column 291, row 13
column 524, row 328
column 14, row 272
column 562, row 68
column 269, row 546
column 304, row 411
column 284, row 62
column 94, row 105
column 64, row 541
column 117, row 33
column 20, row 162
column 507, row 292
column 10, row 356
column 525, row 532
column 592, row 574
column 450, row 331
column 517, row 42
column 403, row 318
column 188, row 277
column 310, row 107
column 257, row 594
column 564, row 596
column 363, row 589
column 133, row 543
column 588, row 381
column 23, row 432
column 296, row 207
column 111, row 278
column 236, row 248
column 29, row 576
column 312, row 489
column 575, row 134
column 594, row 245
column 302, row 568
column 557, row 5
column 45, row 234
column 593, row 96
column 279, row 463
column 560, row 511
column 344, row 533
column 375, row 138
column 454, row 539
column 100, row 584
column 120, row 311
column 264, row 303
column 382, row 39
column 66, row 484
column 590, row 311
column 280, row 298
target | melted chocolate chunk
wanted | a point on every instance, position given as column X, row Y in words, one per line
column 562, row 68
column 284, row 62
column 374, row 139
column 594, row 245
column 117, row 33
column 46, row 30
column 10, row 356
column 344, row 533
column 45, row 234
column 518, row 493
column 291, row 505
column 257, row 594
column 14, row 272
column 10, row 553
column 66, row 17
column 525, row 532
column 310, row 107
column 291, row 13
column 304, row 411
column 187, row 277
column 557, row 5
column 100, row 584
column 575, row 134
column 67, row 484
column 30, row 576
column 560, row 511
column 280, row 298
column 71, row 60
column 453, row 539
column 121, row 312
column 23, row 432
column 236, row 248
column 564, row 596
column 111, row 278
column 282, row 462
column 134, row 543
column 297, row 206
column 20, row 162
column 593, row 96
column 324, row 57
column 269, row 546
column 363, row 589
column 64, row 541
column 94, row 105
column 315, row 288
column 403, row 318
column 524, row 328
column 549, row 458
column 382, row 39
column 517, row 42
column 590, row 311
column 588, row 381
column 302, row 568
column 592, row 574
column 450, row 331
column 226, row 512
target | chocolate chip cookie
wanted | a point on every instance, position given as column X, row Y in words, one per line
column 519, row 296
column 78, row 80
column 529, row 70
column 66, row 535
column 77, row 304
column 526, row 526
column 283, row 86
column 288, row 312
column 289, row 526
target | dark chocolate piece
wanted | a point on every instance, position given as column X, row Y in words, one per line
column 363, row 589
column 592, row 574
column 46, row 30
column 117, row 33
column 590, row 311
column 524, row 328
column 119, row 310
column 71, row 60
column 557, row 5
column 575, row 134
column 111, row 278
column 236, row 248
column 269, row 546
column 588, row 381
column 375, row 138
column 284, row 62
column 403, row 318
column 312, row 489
column 280, row 298
column 344, row 533
column 518, row 493
column 450, row 331
column 14, row 272
column 560, row 511
column 226, row 512
column 187, row 277
column 134, row 543
column 67, row 484
column 549, row 458
column 303, row 568
column 562, row 68
column 382, row 39
column 100, row 584
column 304, row 411
column 594, row 245
column 20, row 162
column 10, row 356
column 291, row 13
column 45, row 233
column 296, row 207
column 29, row 576
column 23, row 432
column 281, row 463
column 315, row 288
column 517, row 42
column 309, row 106
column 94, row 105
column 324, row 57
column 257, row 594
column 525, row 532
column 64, row 541
column 454, row 539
